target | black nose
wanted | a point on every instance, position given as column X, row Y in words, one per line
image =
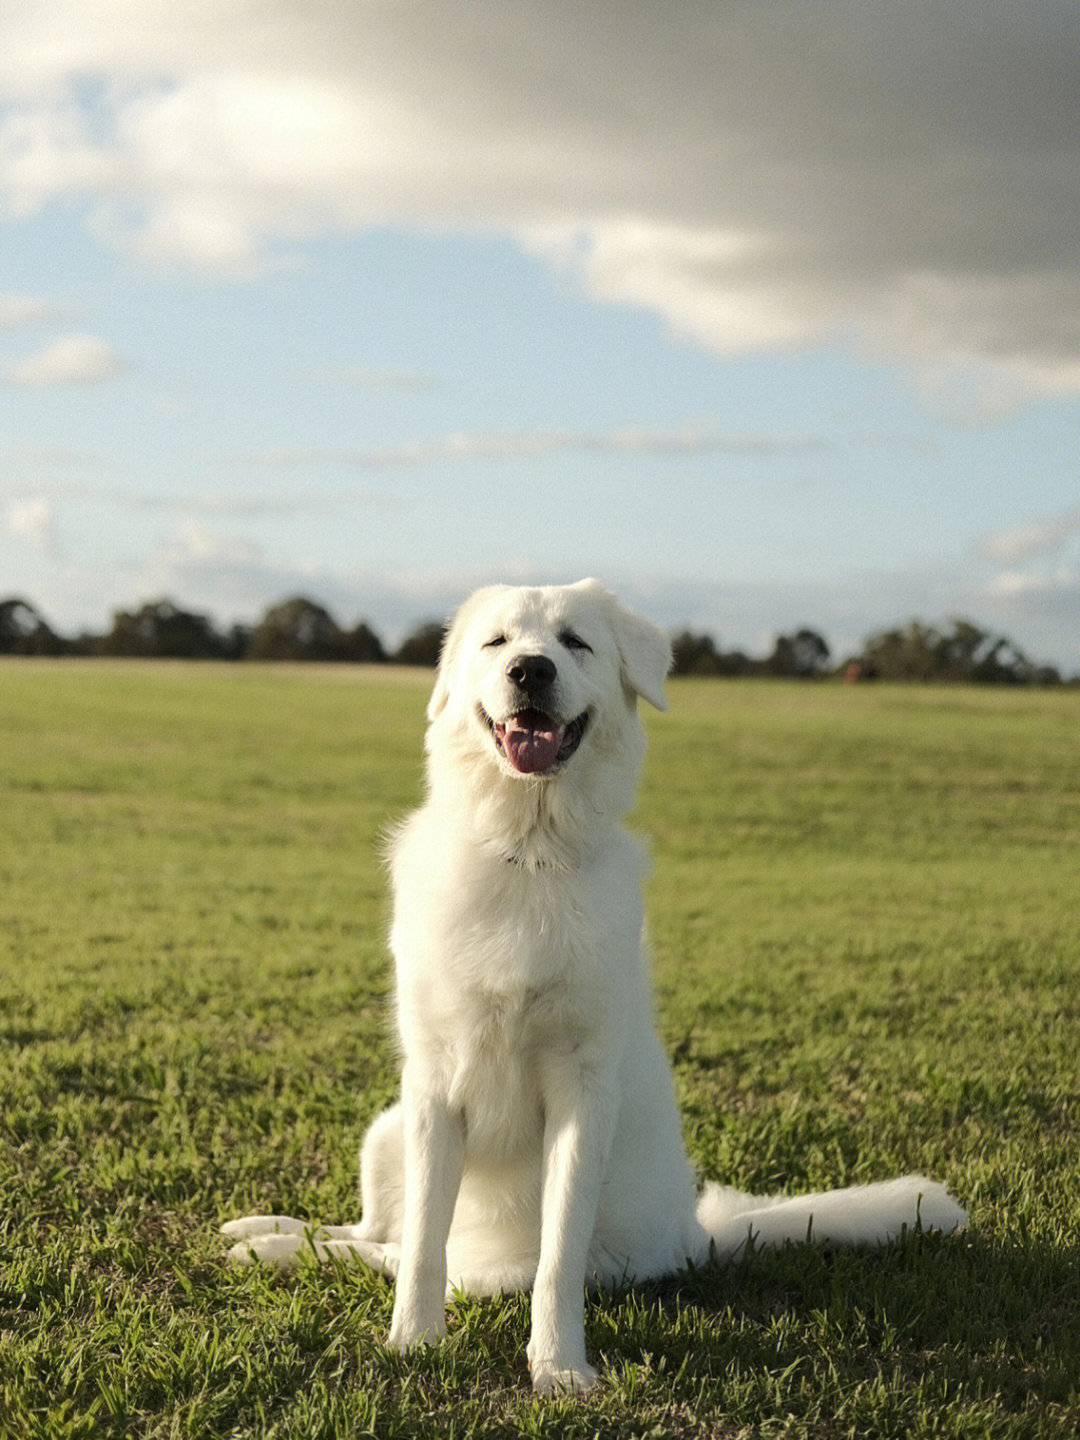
column 531, row 673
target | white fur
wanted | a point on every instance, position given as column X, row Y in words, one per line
column 537, row 1141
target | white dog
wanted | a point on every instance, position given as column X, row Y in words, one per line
column 537, row 1141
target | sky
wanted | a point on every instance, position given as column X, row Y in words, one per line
column 765, row 313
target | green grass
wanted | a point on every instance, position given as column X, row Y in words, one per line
column 864, row 908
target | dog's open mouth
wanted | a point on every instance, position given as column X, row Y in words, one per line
column 535, row 743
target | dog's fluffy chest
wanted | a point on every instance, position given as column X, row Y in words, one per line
column 511, row 992
column 496, row 1054
column 478, row 922
column 516, row 968
column 514, row 957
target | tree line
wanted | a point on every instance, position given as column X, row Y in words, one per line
column 961, row 652
column 300, row 630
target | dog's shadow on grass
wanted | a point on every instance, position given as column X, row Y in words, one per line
column 971, row 1320
column 991, row 1318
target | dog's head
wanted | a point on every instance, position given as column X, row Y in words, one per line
column 535, row 680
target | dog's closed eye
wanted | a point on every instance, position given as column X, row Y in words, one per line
column 571, row 641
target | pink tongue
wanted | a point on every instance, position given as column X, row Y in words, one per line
column 531, row 743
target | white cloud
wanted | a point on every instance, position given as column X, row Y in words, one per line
column 231, row 577
column 33, row 521
column 195, row 544
column 21, row 311
column 360, row 377
column 511, row 445
column 71, row 360
column 1040, row 612
column 1031, row 540
column 1032, row 590
column 905, row 179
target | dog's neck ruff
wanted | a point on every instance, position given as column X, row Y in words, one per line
column 522, row 861
column 538, row 844
column 529, row 827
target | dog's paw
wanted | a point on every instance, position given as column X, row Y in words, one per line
column 275, row 1240
column 251, row 1225
column 550, row 1377
column 280, row 1251
column 411, row 1331
column 281, row 1241
column 384, row 1259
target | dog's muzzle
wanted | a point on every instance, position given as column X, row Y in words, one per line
column 533, row 742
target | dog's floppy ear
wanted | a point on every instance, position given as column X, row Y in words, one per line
column 453, row 636
column 441, row 693
column 644, row 649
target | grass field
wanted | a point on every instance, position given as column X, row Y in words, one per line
column 865, row 909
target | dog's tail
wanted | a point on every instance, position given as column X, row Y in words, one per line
column 860, row 1215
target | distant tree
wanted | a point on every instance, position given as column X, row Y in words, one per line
column 736, row 662
column 902, row 654
column 24, row 632
column 694, row 654
column 85, row 643
column 798, row 656
column 965, row 652
column 362, row 646
column 162, row 630
column 422, row 646
column 296, row 630
column 962, row 652
column 698, row 655
column 301, row 630
column 236, row 641
column 1050, row 675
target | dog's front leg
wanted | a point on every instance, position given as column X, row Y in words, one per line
column 434, row 1156
column 579, row 1124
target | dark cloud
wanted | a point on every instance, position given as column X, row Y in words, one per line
column 904, row 179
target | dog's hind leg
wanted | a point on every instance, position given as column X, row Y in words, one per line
column 280, row 1240
column 382, row 1178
